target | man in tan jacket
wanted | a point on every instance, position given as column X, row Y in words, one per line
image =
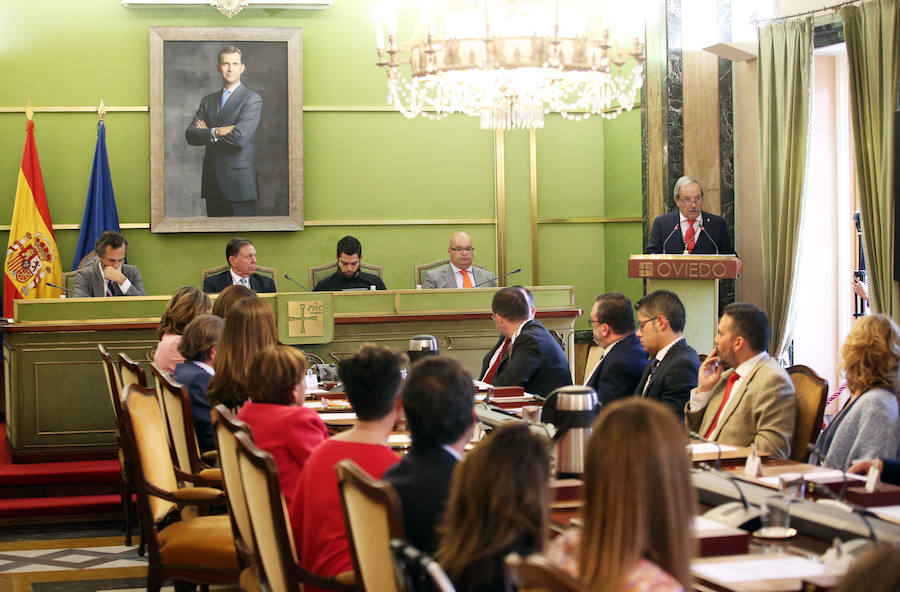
column 753, row 400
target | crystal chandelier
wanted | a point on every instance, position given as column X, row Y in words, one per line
column 509, row 62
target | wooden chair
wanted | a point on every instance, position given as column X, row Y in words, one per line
column 318, row 273
column 268, row 272
column 126, row 473
column 176, row 404
column 68, row 277
column 132, row 372
column 812, row 392
column 200, row 549
column 421, row 270
column 536, row 573
column 418, row 570
column 373, row 517
column 226, row 426
column 278, row 568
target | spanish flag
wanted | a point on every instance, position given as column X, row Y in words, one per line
column 32, row 258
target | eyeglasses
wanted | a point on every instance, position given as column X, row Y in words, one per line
column 594, row 323
column 463, row 249
column 696, row 201
column 640, row 324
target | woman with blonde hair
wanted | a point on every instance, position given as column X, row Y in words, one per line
column 639, row 504
column 185, row 304
column 249, row 328
column 499, row 503
column 868, row 426
column 281, row 425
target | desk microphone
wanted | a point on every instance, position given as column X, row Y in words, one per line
column 702, row 230
column 668, row 237
column 302, row 287
column 516, row 270
column 52, row 285
column 820, row 461
column 718, row 446
column 735, row 514
column 863, row 513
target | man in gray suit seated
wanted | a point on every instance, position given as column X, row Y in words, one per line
column 108, row 274
column 459, row 273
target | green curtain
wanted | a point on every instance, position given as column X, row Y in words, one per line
column 872, row 32
column 784, row 68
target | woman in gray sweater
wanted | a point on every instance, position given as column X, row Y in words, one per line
column 868, row 426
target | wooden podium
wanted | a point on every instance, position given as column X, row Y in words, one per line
column 695, row 278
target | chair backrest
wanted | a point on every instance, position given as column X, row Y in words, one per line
column 132, row 372
column 176, row 404
column 68, row 281
column 536, row 573
column 812, row 392
column 269, row 272
column 418, row 570
column 226, row 427
column 146, row 432
column 268, row 516
column 113, row 382
column 373, row 517
column 421, row 270
column 318, row 273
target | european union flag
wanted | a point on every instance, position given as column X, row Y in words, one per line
column 100, row 207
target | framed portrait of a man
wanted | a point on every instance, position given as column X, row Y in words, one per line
column 226, row 129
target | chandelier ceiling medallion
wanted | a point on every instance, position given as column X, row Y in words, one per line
column 509, row 62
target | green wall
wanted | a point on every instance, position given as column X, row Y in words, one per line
column 361, row 167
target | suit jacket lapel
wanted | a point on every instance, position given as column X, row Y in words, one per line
column 231, row 106
column 735, row 399
column 449, row 278
column 99, row 284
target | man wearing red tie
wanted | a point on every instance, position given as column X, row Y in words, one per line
column 459, row 273
column 753, row 401
column 690, row 230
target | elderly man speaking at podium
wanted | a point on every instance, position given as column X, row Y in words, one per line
column 690, row 230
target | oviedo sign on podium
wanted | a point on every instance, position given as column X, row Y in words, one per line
column 695, row 278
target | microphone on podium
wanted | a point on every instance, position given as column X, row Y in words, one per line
column 52, row 285
column 668, row 237
column 702, row 230
column 516, row 270
column 302, row 287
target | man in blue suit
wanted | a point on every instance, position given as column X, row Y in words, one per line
column 225, row 124
column 690, row 230
column 619, row 371
column 437, row 398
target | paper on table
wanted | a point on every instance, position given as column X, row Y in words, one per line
column 337, row 416
column 707, row 447
column 891, row 513
column 399, row 439
column 749, row 570
column 703, row 524
column 312, row 404
column 815, row 476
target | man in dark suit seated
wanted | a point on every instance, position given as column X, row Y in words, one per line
column 672, row 371
column 526, row 354
column 109, row 275
column 348, row 275
column 241, row 257
column 690, row 230
column 620, row 370
column 438, row 397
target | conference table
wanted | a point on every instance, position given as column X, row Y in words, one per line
column 57, row 401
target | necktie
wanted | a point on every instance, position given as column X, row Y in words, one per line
column 489, row 377
column 728, row 386
column 689, row 237
column 653, row 364
column 467, row 281
column 225, row 94
column 245, row 282
column 109, row 288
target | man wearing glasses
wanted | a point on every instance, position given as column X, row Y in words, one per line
column 690, row 230
column 672, row 372
column 459, row 273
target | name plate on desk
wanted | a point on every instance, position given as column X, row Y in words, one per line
column 305, row 318
column 687, row 267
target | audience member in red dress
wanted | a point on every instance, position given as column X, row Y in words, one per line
column 499, row 503
column 249, row 328
column 639, row 504
column 184, row 305
column 280, row 424
column 438, row 398
column 372, row 380
column 198, row 346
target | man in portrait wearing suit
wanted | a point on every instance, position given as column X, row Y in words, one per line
column 672, row 371
column 459, row 273
column 690, row 230
column 753, row 401
column 241, row 257
column 526, row 354
column 108, row 274
column 438, row 397
column 225, row 124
